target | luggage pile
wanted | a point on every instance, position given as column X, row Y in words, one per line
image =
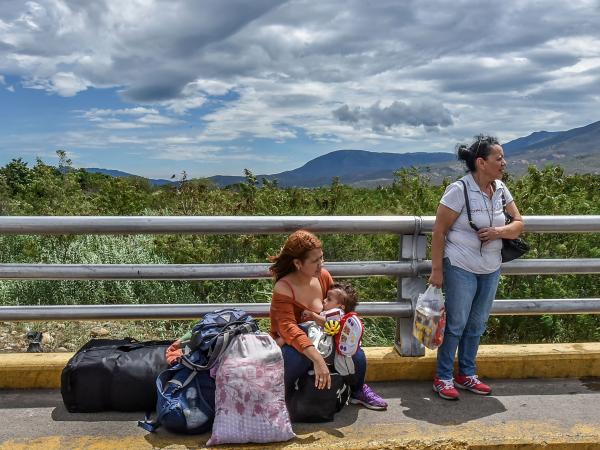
column 229, row 379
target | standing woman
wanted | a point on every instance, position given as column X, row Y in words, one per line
column 467, row 262
column 301, row 283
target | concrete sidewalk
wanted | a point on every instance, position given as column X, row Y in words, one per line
column 522, row 414
column 560, row 409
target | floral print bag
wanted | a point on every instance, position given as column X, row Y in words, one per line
column 250, row 394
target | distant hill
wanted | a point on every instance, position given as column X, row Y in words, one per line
column 522, row 143
column 351, row 166
column 576, row 150
column 118, row 173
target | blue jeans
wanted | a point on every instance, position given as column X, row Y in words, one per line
column 295, row 364
column 469, row 298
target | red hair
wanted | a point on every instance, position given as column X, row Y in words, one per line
column 296, row 246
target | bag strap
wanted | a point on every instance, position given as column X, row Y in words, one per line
column 222, row 341
column 153, row 425
column 194, row 342
column 468, row 206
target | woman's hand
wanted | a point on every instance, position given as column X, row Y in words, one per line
column 489, row 234
column 436, row 278
column 322, row 375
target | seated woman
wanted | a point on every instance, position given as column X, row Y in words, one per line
column 301, row 283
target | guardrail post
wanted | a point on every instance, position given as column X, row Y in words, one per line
column 412, row 248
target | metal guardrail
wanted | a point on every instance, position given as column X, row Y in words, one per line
column 408, row 269
column 401, row 309
column 257, row 270
column 263, row 224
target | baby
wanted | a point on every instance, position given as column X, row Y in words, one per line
column 341, row 299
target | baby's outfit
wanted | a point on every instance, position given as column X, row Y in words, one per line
column 332, row 314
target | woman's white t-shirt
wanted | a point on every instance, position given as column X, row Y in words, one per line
column 463, row 246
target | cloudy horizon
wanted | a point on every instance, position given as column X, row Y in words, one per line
column 155, row 87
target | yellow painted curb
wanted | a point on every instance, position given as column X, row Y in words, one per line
column 494, row 361
column 31, row 370
column 505, row 436
column 42, row 370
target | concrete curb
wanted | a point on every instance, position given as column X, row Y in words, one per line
column 42, row 370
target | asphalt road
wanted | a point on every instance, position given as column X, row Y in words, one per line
column 560, row 412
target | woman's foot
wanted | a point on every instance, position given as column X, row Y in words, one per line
column 368, row 398
column 445, row 389
column 473, row 384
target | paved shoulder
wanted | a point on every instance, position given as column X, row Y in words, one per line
column 556, row 413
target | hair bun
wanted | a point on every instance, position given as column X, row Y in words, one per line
column 463, row 152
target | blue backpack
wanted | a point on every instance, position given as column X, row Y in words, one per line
column 186, row 392
column 185, row 402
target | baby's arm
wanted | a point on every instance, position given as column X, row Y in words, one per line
column 319, row 319
column 310, row 315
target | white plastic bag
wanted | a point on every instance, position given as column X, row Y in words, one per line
column 430, row 318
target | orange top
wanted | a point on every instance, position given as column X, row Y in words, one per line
column 286, row 314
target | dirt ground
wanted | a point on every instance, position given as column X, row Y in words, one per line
column 69, row 336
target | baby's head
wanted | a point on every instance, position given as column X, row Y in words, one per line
column 341, row 295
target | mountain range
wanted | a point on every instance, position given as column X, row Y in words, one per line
column 576, row 150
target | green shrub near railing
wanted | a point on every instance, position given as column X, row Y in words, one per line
column 44, row 190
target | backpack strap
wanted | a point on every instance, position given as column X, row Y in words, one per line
column 468, row 206
column 148, row 425
column 153, row 425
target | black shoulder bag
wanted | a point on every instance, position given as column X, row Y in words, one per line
column 511, row 248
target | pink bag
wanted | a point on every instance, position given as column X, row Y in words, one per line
column 250, row 395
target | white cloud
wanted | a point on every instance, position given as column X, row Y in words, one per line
column 68, row 84
column 116, row 125
column 138, row 111
column 156, row 119
column 275, row 70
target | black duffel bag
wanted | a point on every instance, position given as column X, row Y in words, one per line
column 113, row 375
column 309, row 404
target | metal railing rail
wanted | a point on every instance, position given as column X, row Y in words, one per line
column 411, row 265
column 263, row 224
column 258, row 270
column 193, row 311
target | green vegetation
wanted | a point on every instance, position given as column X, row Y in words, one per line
column 62, row 190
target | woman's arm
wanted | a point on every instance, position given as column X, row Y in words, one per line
column 511, row 231
column 444, row 219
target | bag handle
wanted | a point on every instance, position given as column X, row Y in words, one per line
column 193, row 343
column 222, row 342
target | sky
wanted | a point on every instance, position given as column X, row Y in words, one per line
column 158, row 87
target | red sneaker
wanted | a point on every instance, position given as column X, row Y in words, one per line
column 472, row 383
column 445, row 389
